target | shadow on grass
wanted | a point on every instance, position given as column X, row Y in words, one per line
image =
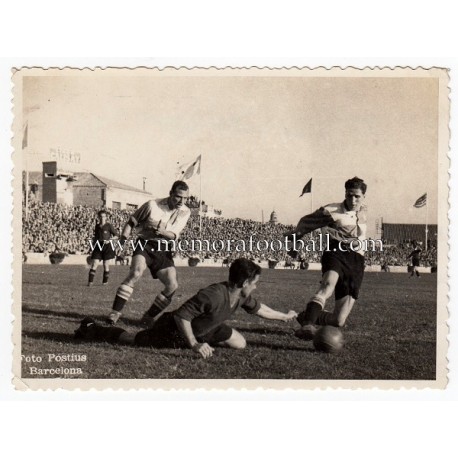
column 75, row 315
column 54, row 336
column 263, row 331
column 274, row 346
column 242, row 327
column 69, row 338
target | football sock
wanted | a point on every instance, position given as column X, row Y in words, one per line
column 161, row 302
column 310, row 314
column 319, row 299
column 91, row 275
column 326, row 319
column 122, row 296
column 106, row 274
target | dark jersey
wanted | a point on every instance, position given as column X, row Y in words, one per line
column 415, row 255
column 210, row 307
column 105, row 232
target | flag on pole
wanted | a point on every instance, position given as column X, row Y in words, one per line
column 421, row 201
column 24, row 137
column 307, row 188
column 188, row 170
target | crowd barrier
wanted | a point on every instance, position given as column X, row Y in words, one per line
column 81, row 259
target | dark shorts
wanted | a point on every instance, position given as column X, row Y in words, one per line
column 416, row 262
column 165, row 334
column 220, row 334
column 105, row 254
column 350, row 267
column 155, row 260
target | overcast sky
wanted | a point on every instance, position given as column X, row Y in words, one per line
column 261, row 138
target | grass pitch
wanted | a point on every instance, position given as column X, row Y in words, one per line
column 390, row 335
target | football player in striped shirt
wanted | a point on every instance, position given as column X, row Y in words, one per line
column 156, row 222
column 344, row 225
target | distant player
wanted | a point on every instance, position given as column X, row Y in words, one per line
column 103, row 233
column 200, row 322
column 415, row 256
column 157, row 222
column 342, row 267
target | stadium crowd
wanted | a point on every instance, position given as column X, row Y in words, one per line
column 59, row 228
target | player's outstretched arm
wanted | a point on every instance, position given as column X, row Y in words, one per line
column 307, row 224
column 271, row 314
column 315, row 220
column 185, row 328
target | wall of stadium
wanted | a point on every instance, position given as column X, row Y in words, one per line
column 399, row 233
column 90, row 196
column 101, row 196
column 125, row 199
column 81, row 259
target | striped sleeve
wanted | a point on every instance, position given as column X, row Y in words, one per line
column 317, row 219
column 141, row 214
column 181, row 223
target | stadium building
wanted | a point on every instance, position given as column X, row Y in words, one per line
column 56, row 184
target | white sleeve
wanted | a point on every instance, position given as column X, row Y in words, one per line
column 180, row 225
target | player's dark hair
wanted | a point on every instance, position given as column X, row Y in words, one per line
column 356, row 183
column 243, row 269
column 99, row 213
column 181, row 185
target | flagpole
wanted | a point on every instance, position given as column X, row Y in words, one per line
column 25, row 145
column 426, row 224
column 200, row 200
column 26, row 187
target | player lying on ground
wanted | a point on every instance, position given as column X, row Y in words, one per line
column 199, row 322
column 342, row 267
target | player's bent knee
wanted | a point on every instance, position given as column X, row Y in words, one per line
column 172, row 286
column 328, row 284
column 135, row 274
column 241, row 345
column 237, row 342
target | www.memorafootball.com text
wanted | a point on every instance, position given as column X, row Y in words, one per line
column 243, row 246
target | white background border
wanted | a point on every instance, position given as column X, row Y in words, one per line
column 404, row 31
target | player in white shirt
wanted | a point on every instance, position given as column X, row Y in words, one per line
column 345, row 224
column 157, row 222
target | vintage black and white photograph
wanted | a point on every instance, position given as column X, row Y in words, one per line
column 230, row 228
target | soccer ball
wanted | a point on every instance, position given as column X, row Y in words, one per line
column 328, row 339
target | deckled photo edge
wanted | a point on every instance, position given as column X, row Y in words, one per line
column 443, row 208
